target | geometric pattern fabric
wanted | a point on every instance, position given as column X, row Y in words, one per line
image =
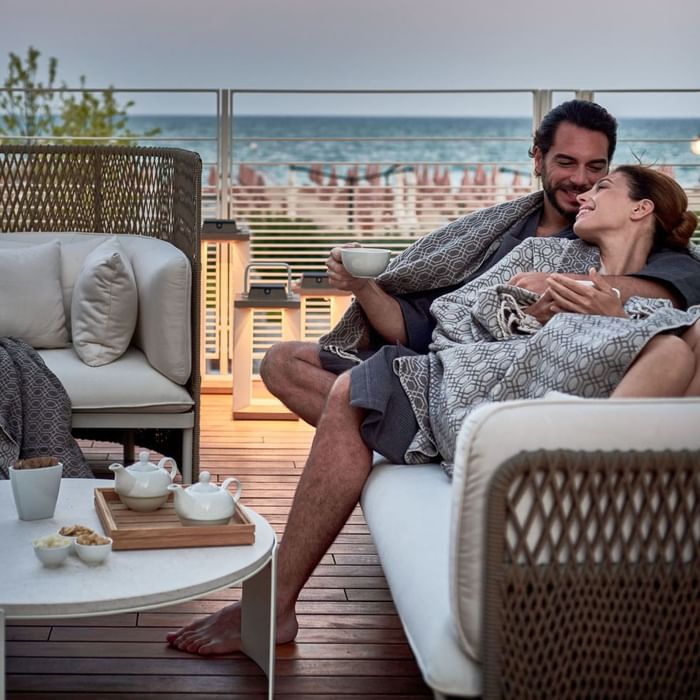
column 35, row 412
column 473, row 361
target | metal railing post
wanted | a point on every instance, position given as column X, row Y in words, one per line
column 225, row 128
column 541, row 105
column 587, row 95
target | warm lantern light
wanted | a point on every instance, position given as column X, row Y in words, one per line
column 261, row 296
column 695, row 145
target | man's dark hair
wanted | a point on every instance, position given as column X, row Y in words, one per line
column 587, row 115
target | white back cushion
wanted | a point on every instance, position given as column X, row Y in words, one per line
column 74, row 249
column 31, row 299
column 164, row 329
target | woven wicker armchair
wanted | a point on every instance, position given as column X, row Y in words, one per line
column 592, row 576
column 152, row 192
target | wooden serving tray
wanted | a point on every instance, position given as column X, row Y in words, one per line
column 162, row 529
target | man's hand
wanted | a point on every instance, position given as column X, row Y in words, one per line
column 598, row 298
column 543, row 309
column 338, row 276
column 534, row 281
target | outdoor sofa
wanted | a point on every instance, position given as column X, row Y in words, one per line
column 563, row 560
column 108, row 237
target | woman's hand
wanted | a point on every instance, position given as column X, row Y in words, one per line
column 338, row 276
column 597, row 298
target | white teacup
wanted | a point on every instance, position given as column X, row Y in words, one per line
column 365, row 262
column 36, row 491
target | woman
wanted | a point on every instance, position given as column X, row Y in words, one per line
column 490, row 346
column 669, row 365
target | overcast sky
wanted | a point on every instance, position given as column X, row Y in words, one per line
column 371, row 44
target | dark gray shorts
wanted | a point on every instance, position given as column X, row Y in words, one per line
column 390, row 424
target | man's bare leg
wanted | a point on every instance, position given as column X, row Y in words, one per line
column 664, row 368
column 292, row 372
column 329, row 488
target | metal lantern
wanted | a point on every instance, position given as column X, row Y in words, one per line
column 267, row 296
column 316, row 318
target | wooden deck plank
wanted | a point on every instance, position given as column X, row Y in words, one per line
column 350, row 645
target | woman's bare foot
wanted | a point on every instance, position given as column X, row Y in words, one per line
column 220, row 632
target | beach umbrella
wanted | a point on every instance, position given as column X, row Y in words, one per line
column 316, row 174
column 246, row 175
column 333, row 178
column 291, row 195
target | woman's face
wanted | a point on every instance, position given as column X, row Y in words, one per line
column 606, row 206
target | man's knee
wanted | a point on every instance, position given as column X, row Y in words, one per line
column 272, row 359
column 280, row 359
column 338, row 399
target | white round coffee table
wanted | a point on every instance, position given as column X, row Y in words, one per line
column 133, row 580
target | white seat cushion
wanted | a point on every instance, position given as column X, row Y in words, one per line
column 127, row 384
column 407, row 509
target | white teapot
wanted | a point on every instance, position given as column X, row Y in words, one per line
column 205, row 503
column 144, row 486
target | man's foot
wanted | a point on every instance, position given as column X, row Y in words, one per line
column 220, row 632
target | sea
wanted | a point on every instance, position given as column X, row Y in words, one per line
column 284, row 148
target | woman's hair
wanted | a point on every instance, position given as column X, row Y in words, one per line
column 674, row 223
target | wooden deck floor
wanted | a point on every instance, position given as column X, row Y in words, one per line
column 350, row 642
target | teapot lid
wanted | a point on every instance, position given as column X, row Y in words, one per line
column 143, row 465
column 204, row 485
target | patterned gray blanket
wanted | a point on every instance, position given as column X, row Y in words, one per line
column 35, row 412
column 444, row 257
column 485, row 349
column 441, row 258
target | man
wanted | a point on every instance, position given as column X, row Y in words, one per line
column 572, row 150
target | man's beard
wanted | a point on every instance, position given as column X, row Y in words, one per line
column 551, row 194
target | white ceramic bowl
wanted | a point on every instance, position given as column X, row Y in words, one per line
column 53, row 556
column 93, row 553
column 365, row 262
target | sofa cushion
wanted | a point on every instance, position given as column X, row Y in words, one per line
column 74, row 249
column 164, row 328
column 496, row 432
column 407, row 509
column 31, row 300
column 104, row 305
column 73, row 254
column 127, row 384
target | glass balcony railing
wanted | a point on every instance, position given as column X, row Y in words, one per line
column 320, row 172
